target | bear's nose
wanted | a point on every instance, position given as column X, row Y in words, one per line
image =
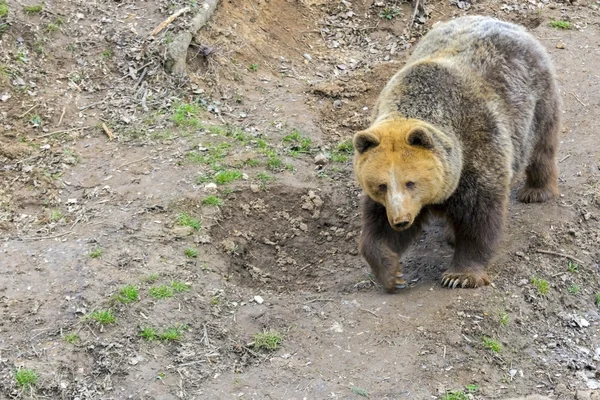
column 401, row 225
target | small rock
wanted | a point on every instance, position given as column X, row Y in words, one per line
column 512, row 373
column 182, row 231
column 245, row 176
column 209, row 187
column 307, row 56
column 337, row 104
column 254, row 187
column 5, row 97
column 561, row 46
column 522, row 282
column 18, row 81
column 320, row 159
column 258, row 300
column 584, row 323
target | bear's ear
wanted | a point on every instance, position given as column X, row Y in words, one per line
column 420, row 137
column 364, row 140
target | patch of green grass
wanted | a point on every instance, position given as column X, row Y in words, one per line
column 106, row 54
column 3, row 9
column 542, row 285
column 455, row 395
column 172, row 333
column 33, row 9
column 211, row 156
column 186, row 115
column 491, row 344
column 151, row 278
column 191, row 253
column 54, row 26
column 342, row 152
column 179, row 287
column 26, row 378
column 215, row 300
column 161, row 292
column 264, row 177
column 127, row 294
column 262, row 144
column 103, row 317
column 359, row 391
column 71, row 338
column 345, row 147
column 389, row 13
column 473, row 388
column 597, row 299
column 217, row 130
column 268, row 340
column 573, row 289
column 252, row 162
column 184, row 219
column 299, row 143
column 504, row 318
column 227, row 176
column 338, row 157
column 148, row 333
column 273, row 163
column 96, row 252
column 55, row 215
column 559, row 24
column 253, row 67
column 212, row 200
column 573, row 268
column 239, row 135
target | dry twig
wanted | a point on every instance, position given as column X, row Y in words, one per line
column 554, row 253
column 167, row 21
column 108, row 132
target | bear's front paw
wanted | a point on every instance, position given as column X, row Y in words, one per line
column 472, row 279
column 394, row 282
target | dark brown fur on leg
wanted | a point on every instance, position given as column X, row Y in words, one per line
column 542, row 171
column 382, row 246
column 478, row 233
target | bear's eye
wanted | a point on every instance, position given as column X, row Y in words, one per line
column 410, row 185
column 383, row 187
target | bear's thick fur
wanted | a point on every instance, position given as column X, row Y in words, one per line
column 476, row 104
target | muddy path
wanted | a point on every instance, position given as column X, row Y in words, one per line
column 144, row 267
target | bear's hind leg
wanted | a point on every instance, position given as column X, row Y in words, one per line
column 381, row 246
column 477, row 234
column 542, row 172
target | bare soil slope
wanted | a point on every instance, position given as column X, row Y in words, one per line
column 143, row 267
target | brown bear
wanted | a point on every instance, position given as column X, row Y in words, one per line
column 476, row 104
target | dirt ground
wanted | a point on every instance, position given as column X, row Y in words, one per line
column 226, row 204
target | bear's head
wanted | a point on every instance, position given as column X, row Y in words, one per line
column 405, row 165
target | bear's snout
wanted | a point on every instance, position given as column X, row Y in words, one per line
column 401, row 223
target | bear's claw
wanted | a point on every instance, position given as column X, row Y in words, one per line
column 465, row 280
column 400, row 282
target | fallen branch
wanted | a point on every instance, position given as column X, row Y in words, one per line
column 108, row 132
column 178, row 48
column 167, row 21
column 554, row 253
